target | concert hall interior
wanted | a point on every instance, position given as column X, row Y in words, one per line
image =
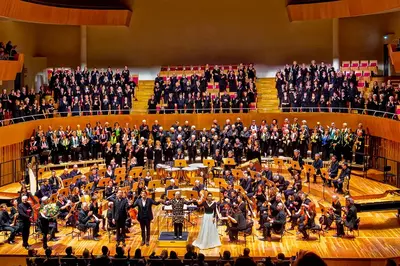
column 137, row 132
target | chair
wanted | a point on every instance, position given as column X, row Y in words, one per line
column 364, row 65
column 82, row 229
column 356, row 228
column 316, row 229
column 358, row 73
column 367, row 75
column 354, row 65
column 281, row 231
column 110, row 232
column 346, row 66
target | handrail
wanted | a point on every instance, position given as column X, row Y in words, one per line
column 360, row 111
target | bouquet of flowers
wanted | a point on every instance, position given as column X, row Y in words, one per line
column 50, row 211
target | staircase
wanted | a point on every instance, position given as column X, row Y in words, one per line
column 267, row 99
column 143, row 94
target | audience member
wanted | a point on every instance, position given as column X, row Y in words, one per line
column 245, row 259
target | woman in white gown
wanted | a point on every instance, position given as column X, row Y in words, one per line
column 208, row 236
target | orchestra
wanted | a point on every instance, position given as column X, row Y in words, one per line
column 103, row 198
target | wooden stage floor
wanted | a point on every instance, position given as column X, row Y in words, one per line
column 379, row 235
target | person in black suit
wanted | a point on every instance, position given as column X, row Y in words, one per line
column 296, row 158
column 25, row 212
column 333, row 171
column 275, row 222
column 85, row 220
column 145, row 215
column 6, row 224
column 198, row 187
column 349, row 221
column 238, row 222
column 120, row 214
column 338, row 183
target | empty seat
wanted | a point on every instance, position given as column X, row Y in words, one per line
column 355, row 65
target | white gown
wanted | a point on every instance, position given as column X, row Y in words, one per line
column 208, row 236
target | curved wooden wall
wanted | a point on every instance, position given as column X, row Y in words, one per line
column 340, row 9
column 380, row 127
column 24, row 11
column 10, row 68
column 394, row 57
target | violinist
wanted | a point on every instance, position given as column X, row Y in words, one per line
column 25, row 214
column 297, row 186
column 349, row 220
column 86, row 220
column 55, row 182
column 280, row 182
column 236, row 223
column 97, row 210
column 278, row 220
column 7, row 224
column 109, row 191
column 63, row 206
column 300, row 200
column 307, row 219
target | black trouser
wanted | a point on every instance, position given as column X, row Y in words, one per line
column 318, row 172
column 12, row 229
column 178, row 229
column 339, row 227
column 338, row 184
column 233, row 233
column 26, row 225
column 94, row 226
column 145, row 228
column 120, row 226
column 303, row 230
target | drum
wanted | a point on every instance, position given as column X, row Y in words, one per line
column 160, row 168
column 174, row 171
column 201, row 167
column 189, row 172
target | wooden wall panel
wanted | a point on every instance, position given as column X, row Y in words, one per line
column 7, row 154
column 340, row 9
column 9, row 69
column 24, row 11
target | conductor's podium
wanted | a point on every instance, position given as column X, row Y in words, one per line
column 166, row 239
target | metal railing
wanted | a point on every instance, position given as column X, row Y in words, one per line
column 359, row 111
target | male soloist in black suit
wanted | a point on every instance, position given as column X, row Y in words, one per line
column 120, row 214
column 145, row 215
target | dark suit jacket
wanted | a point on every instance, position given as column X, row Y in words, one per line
column 120, row 210
column 145, row 212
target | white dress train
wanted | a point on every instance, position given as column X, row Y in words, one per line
column 208, row 236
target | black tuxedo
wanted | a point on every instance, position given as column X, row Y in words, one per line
column 145, row 216
column 120, row 214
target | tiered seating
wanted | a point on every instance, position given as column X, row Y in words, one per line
column 212, row 87
column 363, row 69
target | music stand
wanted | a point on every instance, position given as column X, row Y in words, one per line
column 64, row 192
column 229, row 161
column 75, row 178
column 253, row 174
column 119, row 171
column 237, row 173
column 168, row 182
column 89, row 186
column 309, row 170
column 67, row 182
column 53, row 198
column 193, row 180
column 180, row 163
column 119, row 179
column 221, row 184
column 102, row 172
column 136, row 172
column 171, row 193
column 103, row 182
column 324, row 173
column 239, row 189
column 279, row 163
column 295, row 166
column 135, row 186
column 209, row 163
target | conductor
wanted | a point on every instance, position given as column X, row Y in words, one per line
column 145, row 215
